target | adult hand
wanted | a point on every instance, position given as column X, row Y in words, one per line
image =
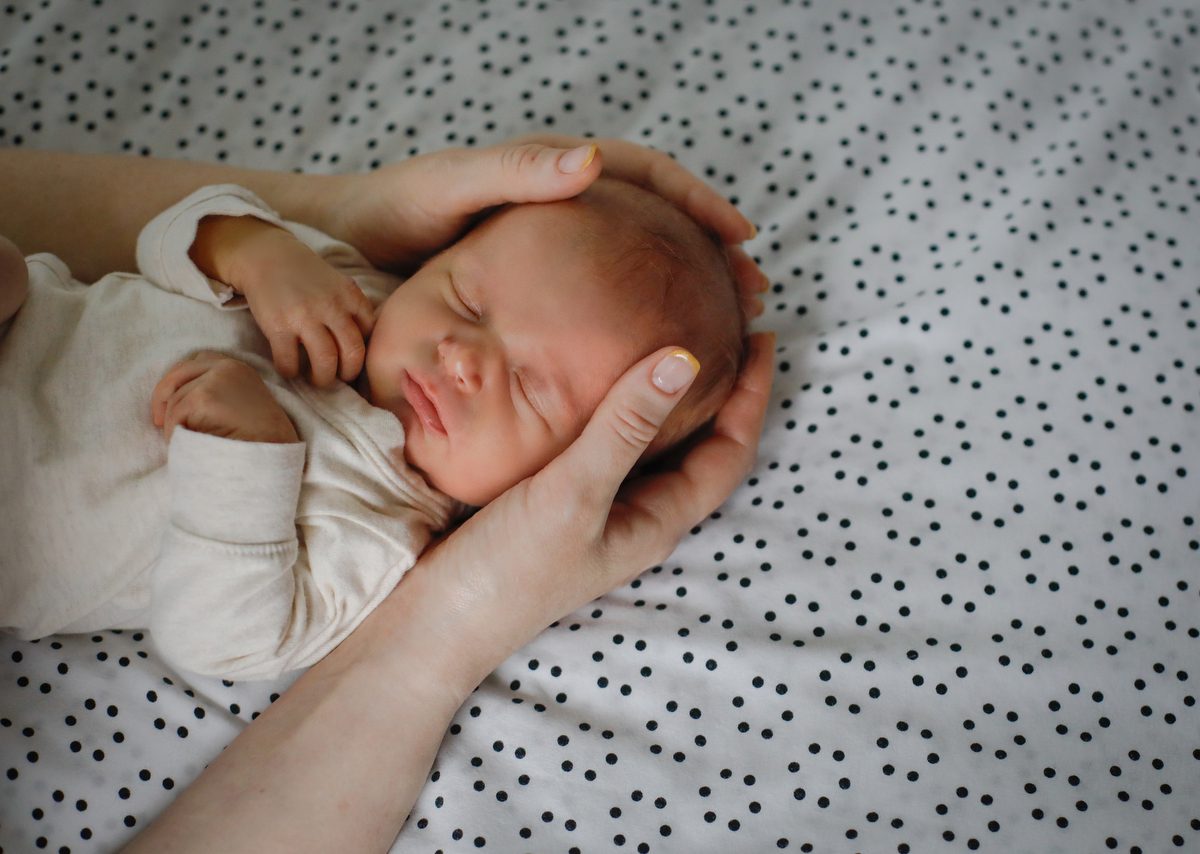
column 578, row 528
column 661, row 174
column 403, row 212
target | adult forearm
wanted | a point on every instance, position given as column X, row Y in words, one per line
column 89, row 208
column 338, row 761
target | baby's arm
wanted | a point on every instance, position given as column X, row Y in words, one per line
column 244, row 587
column 14, row 279
column 295, row 296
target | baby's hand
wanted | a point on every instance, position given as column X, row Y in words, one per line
column 217, row 394
column 296, row 297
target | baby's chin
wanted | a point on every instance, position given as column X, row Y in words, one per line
column 469, row 494
column 462, row 488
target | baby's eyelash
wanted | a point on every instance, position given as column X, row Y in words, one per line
column 468, row 307
column 528, row 398
column 473, row 310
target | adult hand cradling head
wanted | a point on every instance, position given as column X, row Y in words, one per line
column 572, row 531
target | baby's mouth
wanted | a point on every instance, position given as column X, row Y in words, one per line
column 423, row 404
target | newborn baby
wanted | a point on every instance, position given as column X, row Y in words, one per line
column 270, row 515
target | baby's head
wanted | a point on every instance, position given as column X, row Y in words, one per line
column 495, row 354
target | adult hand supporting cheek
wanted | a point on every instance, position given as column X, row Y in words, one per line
column 579, row 528
column 385, row 696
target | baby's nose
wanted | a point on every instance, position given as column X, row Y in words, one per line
column 462, row 362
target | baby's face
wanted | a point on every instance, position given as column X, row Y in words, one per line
column 496, row 352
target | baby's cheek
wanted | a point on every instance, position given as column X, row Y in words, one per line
column 472, row 481
column 505, row 468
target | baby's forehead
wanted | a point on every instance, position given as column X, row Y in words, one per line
column 612, row 237
column 568, row 224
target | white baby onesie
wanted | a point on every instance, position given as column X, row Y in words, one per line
column 244, row 559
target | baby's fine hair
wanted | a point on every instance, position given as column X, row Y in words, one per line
column 679, row 271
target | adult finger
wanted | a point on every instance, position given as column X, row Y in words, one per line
column 750, row 279
column 465, row 180
column 712, row 469
column 658, row 172
column 624, row 424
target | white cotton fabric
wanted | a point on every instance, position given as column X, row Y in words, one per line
column 245, row 559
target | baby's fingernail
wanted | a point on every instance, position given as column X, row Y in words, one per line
column 675, row 371
column 577, row 159
column 753, row 231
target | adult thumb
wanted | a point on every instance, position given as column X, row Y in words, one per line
column 626, row 422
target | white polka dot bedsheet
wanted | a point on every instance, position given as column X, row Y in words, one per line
column 954, row 608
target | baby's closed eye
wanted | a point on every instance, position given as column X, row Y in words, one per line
column 528, row 391
column 471, row 309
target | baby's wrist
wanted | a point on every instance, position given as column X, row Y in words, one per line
column 234, row 250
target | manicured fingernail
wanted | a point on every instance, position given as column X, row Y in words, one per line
column 675, row 371
column 577, row 159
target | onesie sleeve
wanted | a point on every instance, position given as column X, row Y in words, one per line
column 238, row 591
column 163, row 245
column 231, row 534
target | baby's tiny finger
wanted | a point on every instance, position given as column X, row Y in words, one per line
column 351, row 348
column 322, row 355
column 171, row 415
column 173, row 411
column 363, row 311
column 158, row 398
column 285, row 353
column 175, row 377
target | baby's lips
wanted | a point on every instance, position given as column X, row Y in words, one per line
column 423, row 402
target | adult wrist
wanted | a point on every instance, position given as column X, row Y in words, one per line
column 440, row 623
column 314, row 200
